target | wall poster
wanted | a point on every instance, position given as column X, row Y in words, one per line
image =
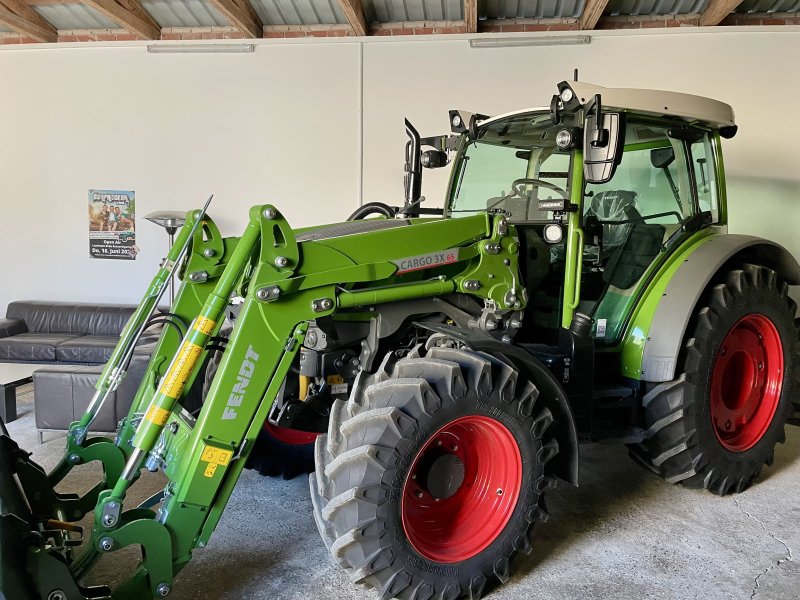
column 112, row 224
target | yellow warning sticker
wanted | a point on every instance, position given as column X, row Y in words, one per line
column 157, row 416
column 210, row 470
column 217, row 456
column 175, row 379
column 204, row 325
column 334, row 379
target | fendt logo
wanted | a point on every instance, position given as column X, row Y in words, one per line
column 242, row 381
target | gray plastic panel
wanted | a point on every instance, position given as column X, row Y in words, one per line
column 665, row 337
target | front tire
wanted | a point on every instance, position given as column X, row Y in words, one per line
column 431, row 478
column 717, row 424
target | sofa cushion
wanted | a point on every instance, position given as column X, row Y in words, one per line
column 87, row 349
column 9, row 327
column 61, row 394
column 33, row 347
column 67, row 317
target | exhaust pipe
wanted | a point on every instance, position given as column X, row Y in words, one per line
column 413, row 166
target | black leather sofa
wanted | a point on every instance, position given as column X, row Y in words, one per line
column 61, row 332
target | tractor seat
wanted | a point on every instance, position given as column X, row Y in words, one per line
column 613, row 205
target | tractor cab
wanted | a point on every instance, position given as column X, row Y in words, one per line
column 596, row 209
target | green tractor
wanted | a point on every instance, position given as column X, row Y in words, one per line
column 579, row 285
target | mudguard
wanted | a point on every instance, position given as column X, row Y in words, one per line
column 667, row 327
column 565, row 463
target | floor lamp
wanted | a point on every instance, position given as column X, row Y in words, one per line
column 170, row 220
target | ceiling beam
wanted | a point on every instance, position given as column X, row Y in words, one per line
column 717, row 10
column 136, row 9
column 241, row 15
column 125, row 18
column 47, row 2
column 471, row 15
column 354, row 13
column 592, row 11
column 18, row 16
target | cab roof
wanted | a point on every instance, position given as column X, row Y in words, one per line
column 691, row 108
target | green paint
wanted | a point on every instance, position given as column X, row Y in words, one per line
column 574, row 244
column 635, row 336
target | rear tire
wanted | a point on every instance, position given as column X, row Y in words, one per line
column 717, row 424
column 453, row 425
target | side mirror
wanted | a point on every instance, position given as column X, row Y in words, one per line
column 603, row 142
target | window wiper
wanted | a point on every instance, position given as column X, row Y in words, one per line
column 461, row 176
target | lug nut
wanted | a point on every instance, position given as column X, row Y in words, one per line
column 163, row 589
column 499, row 492
column 106, row 544
column 281, row 261
column 269, row 213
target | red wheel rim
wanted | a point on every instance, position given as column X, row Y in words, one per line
column 462, row 489
column 293, row 437
column 746, row 382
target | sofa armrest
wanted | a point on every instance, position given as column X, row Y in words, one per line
column 9, row 327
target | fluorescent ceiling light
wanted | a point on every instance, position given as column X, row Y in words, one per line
column 550, row 40
column 199, row 48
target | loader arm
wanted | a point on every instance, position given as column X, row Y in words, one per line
column 288, row 284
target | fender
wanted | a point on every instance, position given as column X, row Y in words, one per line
column 565, row 463
column 667, row 324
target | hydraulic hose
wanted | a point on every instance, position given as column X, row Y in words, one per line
column 373, row 208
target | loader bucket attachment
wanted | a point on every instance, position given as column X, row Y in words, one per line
column 16, row 528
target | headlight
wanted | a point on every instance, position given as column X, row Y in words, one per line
column 456, row 121
column 553, row 233
column 564, row 139
column 566, row 95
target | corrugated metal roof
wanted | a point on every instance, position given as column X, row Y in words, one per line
column 532, row 9
column 74, row 16
column 184, row 13
column 655, row 7
column 299, row 12
column 388, row 11
column 768, row 6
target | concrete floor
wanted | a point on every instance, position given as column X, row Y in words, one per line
column 624, row 534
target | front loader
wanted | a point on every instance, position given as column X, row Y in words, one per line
column 579, row 285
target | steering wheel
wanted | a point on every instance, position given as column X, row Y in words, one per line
column 519, row 190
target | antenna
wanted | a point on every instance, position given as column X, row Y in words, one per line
column 575, row 75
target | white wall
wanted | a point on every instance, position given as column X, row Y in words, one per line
column 283, row 125
column 276, row 126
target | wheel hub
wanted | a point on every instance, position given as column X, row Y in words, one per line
column 462, row 489
column 746, row 382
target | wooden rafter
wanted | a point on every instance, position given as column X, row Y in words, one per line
column 241, row 15
column 19, row 17
column 592, row 11
column 354, row 13
column 717, row 10
column 146, row 28
column 471, row 15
